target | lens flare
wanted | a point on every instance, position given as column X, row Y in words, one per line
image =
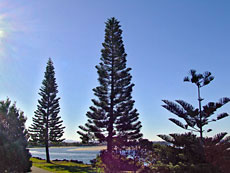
column 5, row 32
column 1, row 33
column 12, row 23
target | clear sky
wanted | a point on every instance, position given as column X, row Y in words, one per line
column 163, row 40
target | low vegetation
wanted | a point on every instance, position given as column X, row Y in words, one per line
column 63, row 166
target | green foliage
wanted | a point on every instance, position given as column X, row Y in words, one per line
column 199, row 80
column 217, row 151
column 14, row 156
column 63, row 166
column 196, row 118
column 114, row 162
column 187, row 152
column 98, row 164
column 113, row 118
column 47, row 124
column 191, row 116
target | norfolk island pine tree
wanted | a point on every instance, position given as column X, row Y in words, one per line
column 47, row 124
column 196, row 118
column 192, row 151
column 113, row 118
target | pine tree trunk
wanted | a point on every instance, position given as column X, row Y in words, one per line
column 47, row 135
column 47, row 152
column 109, row 144
column 111, row 119
column 201, row 130
column 110, row 130
column 47, row 142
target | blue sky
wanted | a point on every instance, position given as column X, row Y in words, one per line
column 163, row 40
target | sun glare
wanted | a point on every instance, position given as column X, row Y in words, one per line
column 2, row 27
column 5, row 30
column 10, row 25
column 1, row 33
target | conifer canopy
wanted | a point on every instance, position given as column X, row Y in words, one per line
column 112, row 118
column 47, row 124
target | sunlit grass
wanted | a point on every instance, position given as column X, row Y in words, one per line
column 63, row 166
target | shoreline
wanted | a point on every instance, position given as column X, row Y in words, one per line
column 82, row 146
column 77, row 148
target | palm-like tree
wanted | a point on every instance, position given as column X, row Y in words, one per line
column 196, row 118
column 199, row 80
column 197, row 150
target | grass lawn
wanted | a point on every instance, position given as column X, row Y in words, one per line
column 63, row 166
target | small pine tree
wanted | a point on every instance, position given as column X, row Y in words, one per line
column 196, row 118
column 47, row 124
column 15, row 156
column 113, row 118
column 193, row 153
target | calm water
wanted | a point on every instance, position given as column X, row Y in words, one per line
column 75, row 153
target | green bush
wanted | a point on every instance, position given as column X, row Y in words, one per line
column 15, row 158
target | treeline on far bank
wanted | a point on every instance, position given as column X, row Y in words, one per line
column 64, row 144
column 80, row 144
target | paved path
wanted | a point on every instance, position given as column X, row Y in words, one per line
column 38, row 170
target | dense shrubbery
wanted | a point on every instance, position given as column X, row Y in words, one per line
column 217, row 152
column 115, row 162
column 13, row 153
column 185, row 154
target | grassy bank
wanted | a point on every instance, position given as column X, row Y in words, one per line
column 63, row 166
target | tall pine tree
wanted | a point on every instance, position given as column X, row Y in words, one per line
column 113, row 118
column 47, row 124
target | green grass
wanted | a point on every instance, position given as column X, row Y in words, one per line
column 63, row 166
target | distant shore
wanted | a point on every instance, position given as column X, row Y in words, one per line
column 89, row 148
column 78, row 148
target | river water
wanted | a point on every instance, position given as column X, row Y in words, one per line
column 84, row 154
